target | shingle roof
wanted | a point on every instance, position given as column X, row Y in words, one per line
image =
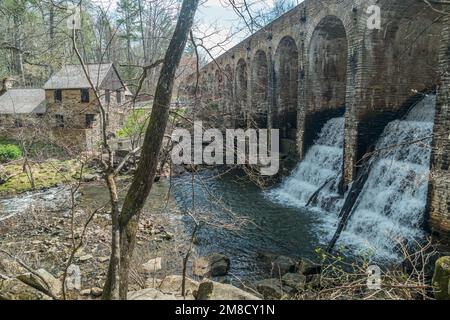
column 73, row 77
column 23, row 101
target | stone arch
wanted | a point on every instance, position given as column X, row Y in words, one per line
column 228, row 89
column 218, row 86
column 241, row 85
column 209, row 84
column 327, row 65
column 399, row 60
column 324, row 77
column 286, row 85
column 403, row 56
column 260, row 89
column 203, row 86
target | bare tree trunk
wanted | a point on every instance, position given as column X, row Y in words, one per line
column 18, row 53
column 146, row 170
column 111, row 289
column 141, row 27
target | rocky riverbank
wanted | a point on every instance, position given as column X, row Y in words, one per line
column 37, row 228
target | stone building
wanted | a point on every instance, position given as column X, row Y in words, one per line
column 68, row 106
column 21, row 107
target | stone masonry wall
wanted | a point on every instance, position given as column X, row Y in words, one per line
column 334, row 63
column 439, row 195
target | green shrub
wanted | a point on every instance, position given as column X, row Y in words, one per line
column 135, row 125
column 9, row 152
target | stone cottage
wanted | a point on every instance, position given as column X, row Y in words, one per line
column 68, row 106
column 21, row 107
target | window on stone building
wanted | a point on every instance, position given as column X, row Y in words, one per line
column 58, row 95
column 84, row 95
column 107, row 96
column 90, row 119
column 119, row 96
column 59, row 120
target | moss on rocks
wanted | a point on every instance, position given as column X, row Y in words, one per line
column 441, row 279
column 46, row 174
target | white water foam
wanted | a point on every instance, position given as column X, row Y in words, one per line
column 391, row 206
column 322, row 163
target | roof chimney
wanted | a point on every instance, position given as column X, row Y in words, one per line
column 7, row 84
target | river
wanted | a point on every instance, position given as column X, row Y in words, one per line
column 269, row 229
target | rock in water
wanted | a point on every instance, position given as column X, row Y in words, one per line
column 215, row 265
column 307, row 267
column 272, row 289
column 441, row 279
column 282, row 265
column 211, row 290
column 294, row 280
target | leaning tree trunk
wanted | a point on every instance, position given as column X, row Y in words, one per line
column 146, row 170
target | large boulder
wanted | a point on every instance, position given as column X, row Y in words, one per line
column 307, row 267
column 211, row 290
column 90, row 177
column 172, row 284
column 214, row 265
column 295, row 281
column 441, row 279
column 272, row 289
column 42, row 281
column 152, row 265
column 282, row 265
column 14, row 289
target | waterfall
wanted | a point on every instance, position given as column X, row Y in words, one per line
column 392, row 204
column 322, row 163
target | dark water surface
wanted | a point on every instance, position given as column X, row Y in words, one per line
column 273, row 228
column 269, row 229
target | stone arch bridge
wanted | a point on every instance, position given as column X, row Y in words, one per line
column 321, row 60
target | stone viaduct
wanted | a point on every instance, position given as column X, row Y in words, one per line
column 321, row 60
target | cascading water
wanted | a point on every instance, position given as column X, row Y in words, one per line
column 392, row 203
column 322, row 164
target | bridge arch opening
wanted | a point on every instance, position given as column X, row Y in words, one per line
column 327, row 60
column 218, row 89
column 286, row 70
column 228, row 89
column 241, row 92
column 260, row 90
